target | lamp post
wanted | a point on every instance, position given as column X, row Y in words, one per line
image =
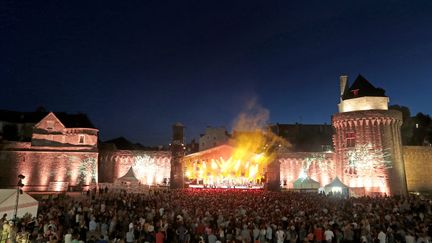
column 19, row 191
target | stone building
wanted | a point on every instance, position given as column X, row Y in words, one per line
column 57, row 151
column 117, row 156
column 177, row 148
column 60, row 152
column 367, row 152
column 213, row 137
column 18, row 126
column 150, row 167
column 367, row 139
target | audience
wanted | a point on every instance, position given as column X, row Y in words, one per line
column 225, row 215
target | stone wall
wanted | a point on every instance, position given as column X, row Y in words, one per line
column 151, row 167
column 319, row 166
column 418, row 168
column 51, row 132
column 43, row 167
column 364, row 103
column 374, row 137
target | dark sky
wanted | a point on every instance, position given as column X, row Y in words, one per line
column 136, row 67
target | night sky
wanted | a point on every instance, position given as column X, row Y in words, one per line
column 136, row 67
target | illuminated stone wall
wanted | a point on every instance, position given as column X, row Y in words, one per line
column 379, row 130
column 364, row 103
column 418, row 168
column 43, row 167
column 319, row 166
column 151, row 167
column 51, row 132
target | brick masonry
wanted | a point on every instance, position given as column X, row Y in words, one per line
column 418, row 167
column 381, row 130
column 42, row 167
column 116, row 163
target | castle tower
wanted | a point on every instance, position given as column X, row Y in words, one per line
column 367, row 139
column 177, row 153
column 273, row 175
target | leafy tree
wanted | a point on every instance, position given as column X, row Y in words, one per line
column 422, row 130
column 408, row 124
column 10, row 132
column 416, row 130
column 406, row 114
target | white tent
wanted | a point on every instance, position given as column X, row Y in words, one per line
column 26, row 204
column 128, row 179
column 336, row 186
column 306, row 183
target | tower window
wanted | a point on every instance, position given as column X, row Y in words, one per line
column 81, row 138
column 50, row 125
column 350, row 139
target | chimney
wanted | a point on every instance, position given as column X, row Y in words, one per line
column 343, row 80
column 178, row 132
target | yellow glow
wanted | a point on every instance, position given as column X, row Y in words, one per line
column 214, row 165
column 237, row 165
column 259, row 157
column 246, row 163
column 188, row 173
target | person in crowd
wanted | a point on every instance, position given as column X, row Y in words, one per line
column 328, row 235
column 225, row 215
column 280, row 235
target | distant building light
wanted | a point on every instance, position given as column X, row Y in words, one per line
column 417, row 125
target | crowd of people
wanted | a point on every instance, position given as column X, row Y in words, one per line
column 223, row 215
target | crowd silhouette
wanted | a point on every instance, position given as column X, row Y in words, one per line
column 225, row 215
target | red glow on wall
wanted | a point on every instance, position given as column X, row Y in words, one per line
column 42, row 168
column 320, row 167
column 150, row 167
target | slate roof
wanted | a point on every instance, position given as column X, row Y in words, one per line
column 78, row 120
column 121, row 143
column 361, row 88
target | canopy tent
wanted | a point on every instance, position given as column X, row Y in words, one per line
column 336, row 186
column 129, row 178
column 26, row 204
column 306, row 183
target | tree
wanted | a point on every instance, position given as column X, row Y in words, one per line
column 408, row 124
column 10, row 132
column 422, row 129
column 406, row 114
